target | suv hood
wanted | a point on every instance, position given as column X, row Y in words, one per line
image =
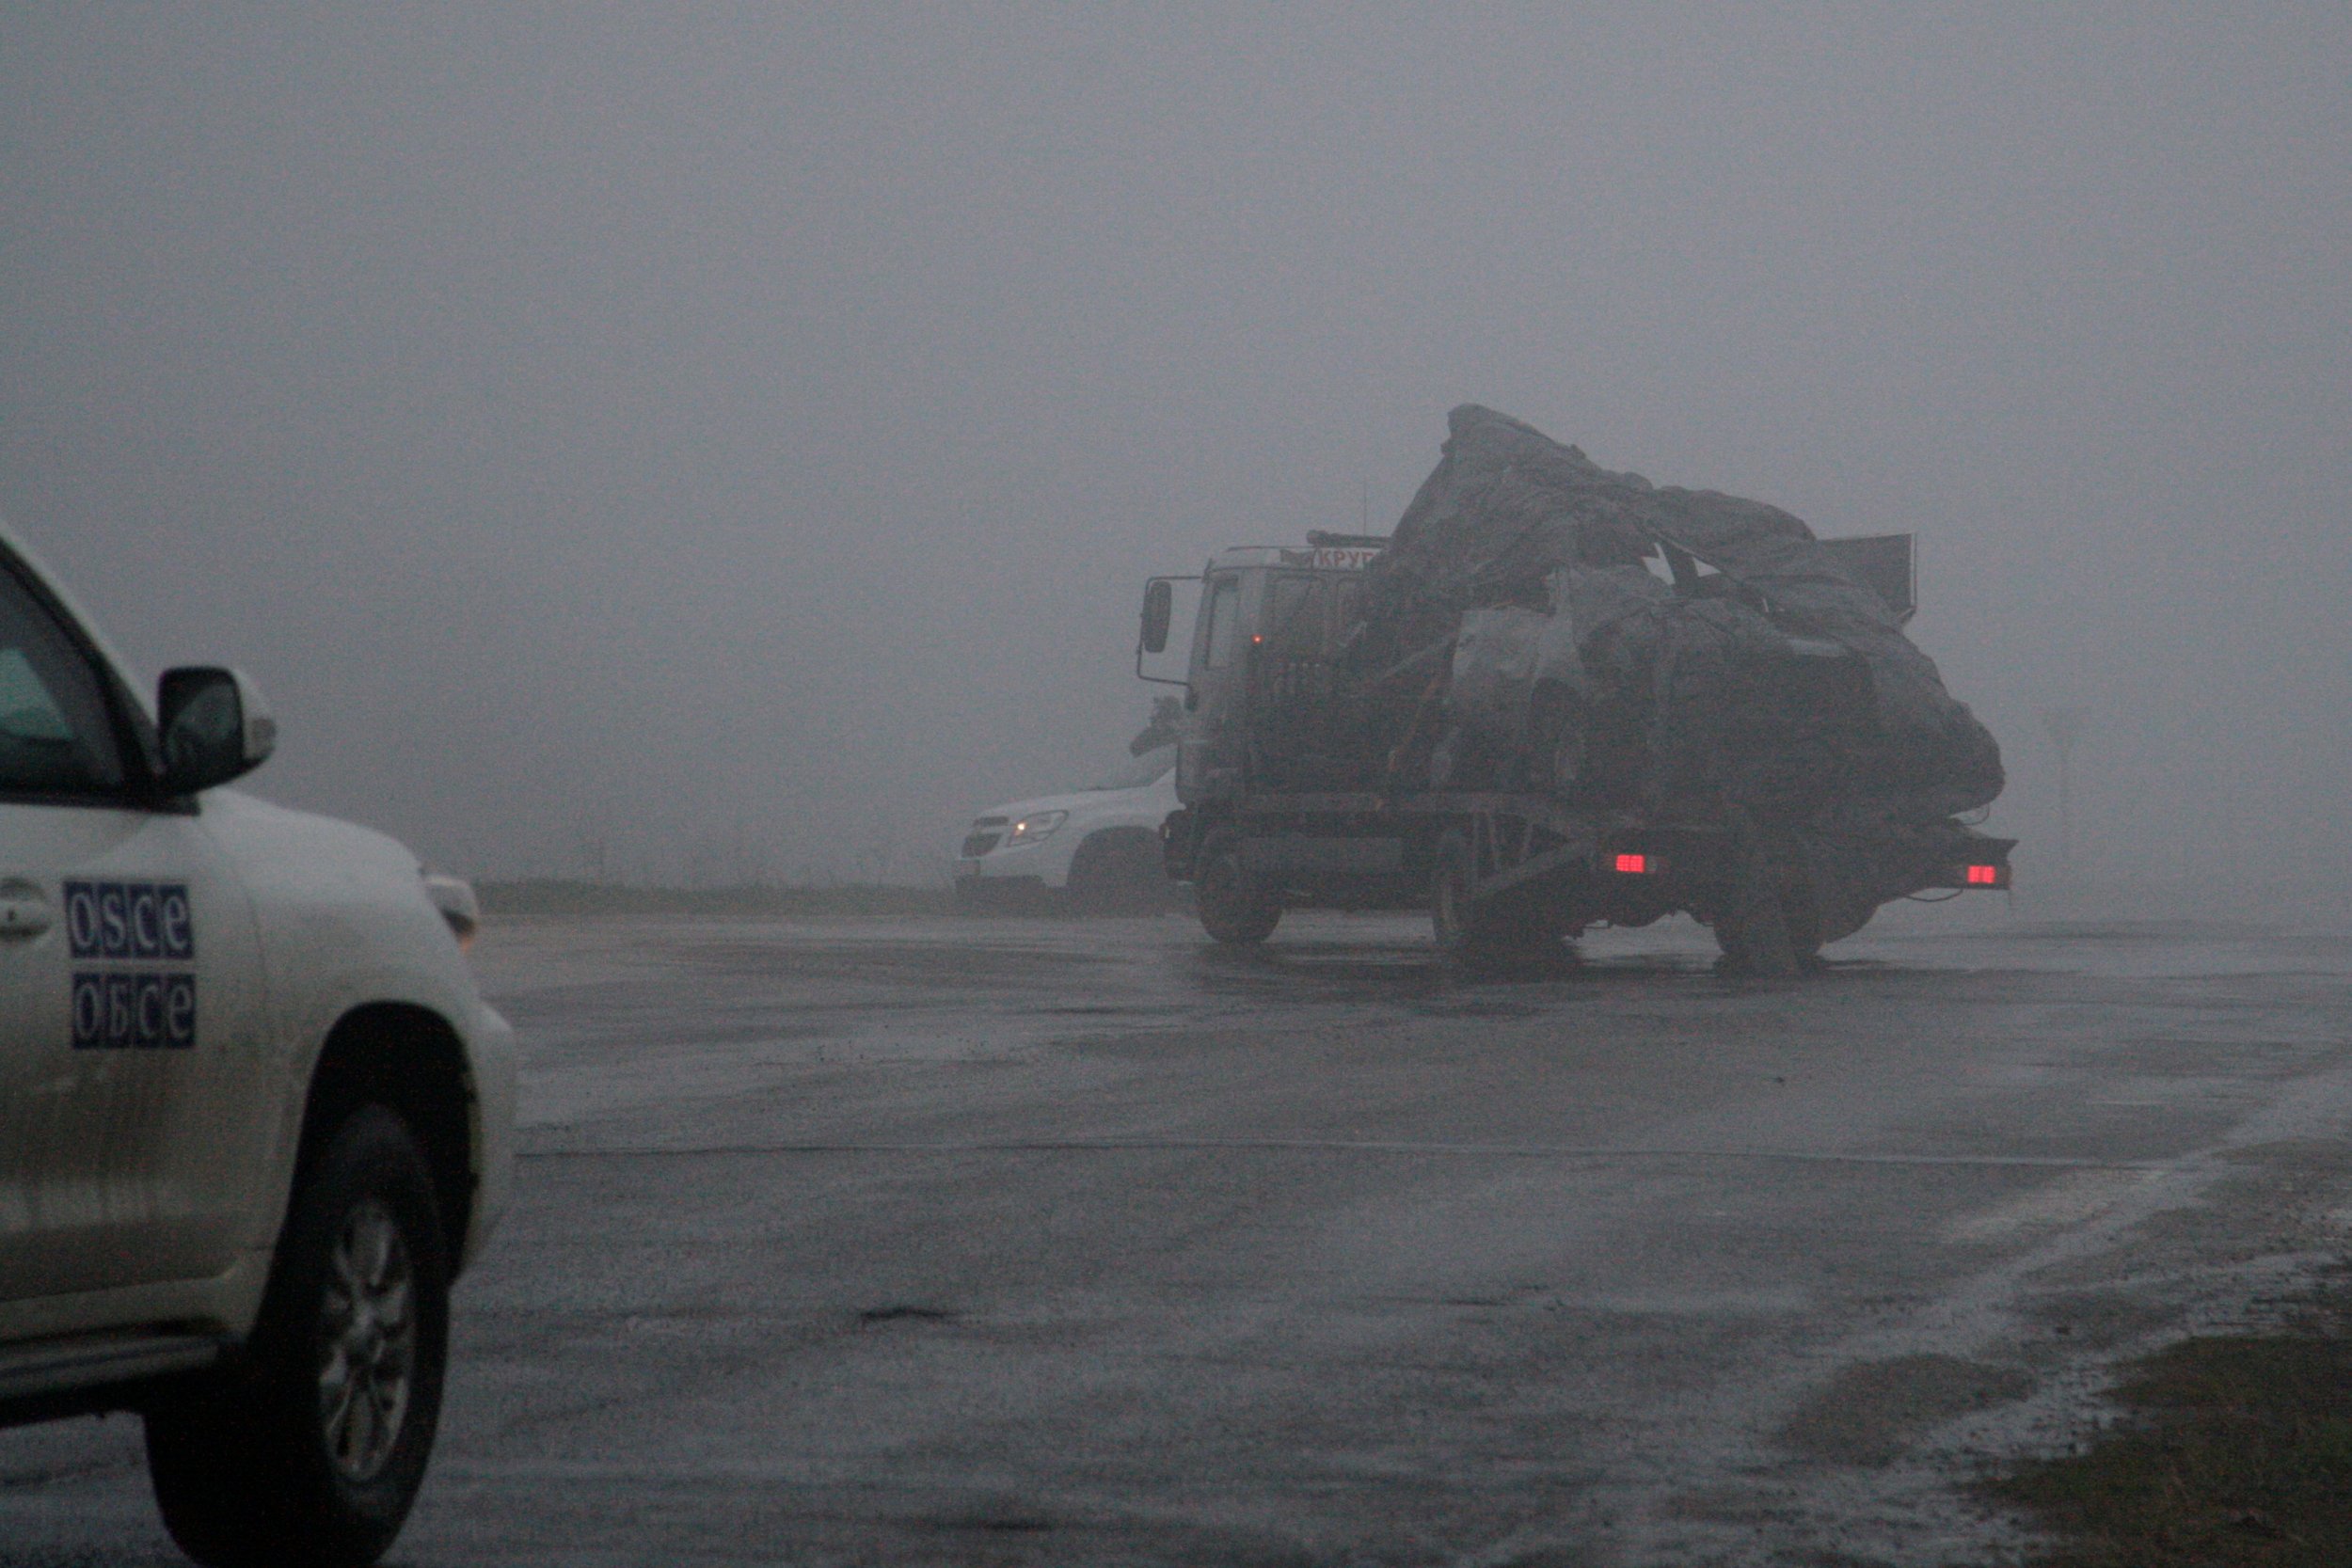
column 1076, row 801
column 270, row 839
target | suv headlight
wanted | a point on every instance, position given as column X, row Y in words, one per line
column 1030, row 829
column 455, row 897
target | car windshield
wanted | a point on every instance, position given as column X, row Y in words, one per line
column 1148, row 769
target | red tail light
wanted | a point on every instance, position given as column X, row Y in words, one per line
column 1984, row 876
column 1634, row 866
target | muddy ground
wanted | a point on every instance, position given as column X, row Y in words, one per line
column 1008, row 1241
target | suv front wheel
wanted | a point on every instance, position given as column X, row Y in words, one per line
column 310, row 1447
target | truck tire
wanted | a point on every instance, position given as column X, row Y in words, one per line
column 1233, row 908
column 310, row 1447
column 1800, row 913
column 1468, row 930
column 1117, row 872
column 1752, row 925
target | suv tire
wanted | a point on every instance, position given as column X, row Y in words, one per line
column 1117, row 872
column 310, row 1447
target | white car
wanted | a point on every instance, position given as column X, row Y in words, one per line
column 254, row 1114
column 1097, row 850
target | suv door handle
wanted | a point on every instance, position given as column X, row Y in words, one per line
column 24, row 912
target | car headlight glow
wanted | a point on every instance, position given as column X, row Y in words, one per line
column 1030, row 829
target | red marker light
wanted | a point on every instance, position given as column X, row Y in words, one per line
column 1984, row 876
column 1634, row 865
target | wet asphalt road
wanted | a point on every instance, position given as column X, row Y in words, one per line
column 1023, row 1242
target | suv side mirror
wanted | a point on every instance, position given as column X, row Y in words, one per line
column 1159, row 604
column 214, row 725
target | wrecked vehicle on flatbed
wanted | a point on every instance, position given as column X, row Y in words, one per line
column 1559, row 697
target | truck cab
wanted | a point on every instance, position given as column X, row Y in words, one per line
column 1260, row 690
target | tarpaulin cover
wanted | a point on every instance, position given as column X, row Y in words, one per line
column 1763, row 678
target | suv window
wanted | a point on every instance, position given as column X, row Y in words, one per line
column 56, row 735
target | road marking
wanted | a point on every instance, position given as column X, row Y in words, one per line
column 1339, row 1145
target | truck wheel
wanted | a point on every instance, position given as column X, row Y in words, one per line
column 1466, row 929
column 1752, row 927
column 1233, row 908
column 1117, row 872
column 1800, row 913
column 310, row 1447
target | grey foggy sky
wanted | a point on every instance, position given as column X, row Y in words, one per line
column 739, row 434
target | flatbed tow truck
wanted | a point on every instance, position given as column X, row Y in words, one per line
column 1276, row 816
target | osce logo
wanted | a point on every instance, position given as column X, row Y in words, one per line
column 136, row 924
column 128, row 920
column 127, row 1010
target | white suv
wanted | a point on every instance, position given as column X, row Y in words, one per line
column 1097, row 848
column 254, row 1115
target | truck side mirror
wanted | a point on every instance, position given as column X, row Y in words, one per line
column 214, row 727
column 1159, row 605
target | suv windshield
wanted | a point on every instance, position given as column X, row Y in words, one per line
column 1141, row 770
